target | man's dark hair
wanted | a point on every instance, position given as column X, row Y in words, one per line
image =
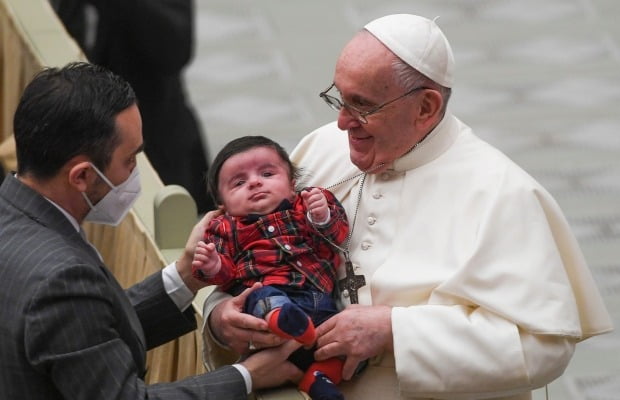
column 241, row 145
column 69, row 111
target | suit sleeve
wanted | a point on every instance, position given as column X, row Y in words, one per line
column 160, row 318
column 76, row 332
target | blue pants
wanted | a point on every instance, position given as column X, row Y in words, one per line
column 317, row 305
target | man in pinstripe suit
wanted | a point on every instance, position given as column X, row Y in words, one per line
column 67, row 329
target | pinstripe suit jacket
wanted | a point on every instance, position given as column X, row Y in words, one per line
column 67, row 328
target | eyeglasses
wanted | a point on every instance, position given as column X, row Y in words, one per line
column 337, row 104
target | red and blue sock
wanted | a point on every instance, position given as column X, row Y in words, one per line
column 321, row 378
column 291, row 322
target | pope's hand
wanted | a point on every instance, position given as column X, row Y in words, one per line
column 357, row 332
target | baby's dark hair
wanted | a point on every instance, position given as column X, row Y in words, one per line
column 240, row 145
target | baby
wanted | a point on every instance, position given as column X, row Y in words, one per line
column 285, row 239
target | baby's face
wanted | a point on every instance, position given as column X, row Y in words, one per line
column 254, row 182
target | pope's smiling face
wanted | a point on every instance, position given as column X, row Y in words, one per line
column 365, row 78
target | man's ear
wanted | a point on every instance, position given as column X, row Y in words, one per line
column 80, row 174
column 431, row 104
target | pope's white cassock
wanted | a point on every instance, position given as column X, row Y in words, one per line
column 490, row 291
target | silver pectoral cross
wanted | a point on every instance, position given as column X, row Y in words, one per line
column 351, row 282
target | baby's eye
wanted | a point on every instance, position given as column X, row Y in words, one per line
column 240, row 182
column 268, row 173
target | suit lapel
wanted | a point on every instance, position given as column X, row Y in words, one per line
column 139, row 351
column 37, row 208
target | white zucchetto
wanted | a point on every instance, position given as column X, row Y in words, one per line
column 419, row 42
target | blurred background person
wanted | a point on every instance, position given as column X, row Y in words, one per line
column 149, row 43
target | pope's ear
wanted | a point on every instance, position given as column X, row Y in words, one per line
column 428, row 111
column 431, row 104
column 80, row 175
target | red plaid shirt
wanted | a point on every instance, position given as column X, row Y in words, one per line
column 281, row 248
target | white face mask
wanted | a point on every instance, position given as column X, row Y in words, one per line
column 116, row 203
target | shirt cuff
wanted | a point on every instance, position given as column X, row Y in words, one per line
column 319, row 223
column 246, row 377
column 179, row 293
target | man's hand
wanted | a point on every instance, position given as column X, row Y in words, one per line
column 270, row 368
column 230, row 325
column 184, row 264
column 316, row 204
column 358, row 332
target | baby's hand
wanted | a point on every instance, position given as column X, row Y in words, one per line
column 316, row 203
column 206, row 261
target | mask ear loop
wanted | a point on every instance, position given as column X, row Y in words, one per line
column 102, row 176
column 90, row 204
